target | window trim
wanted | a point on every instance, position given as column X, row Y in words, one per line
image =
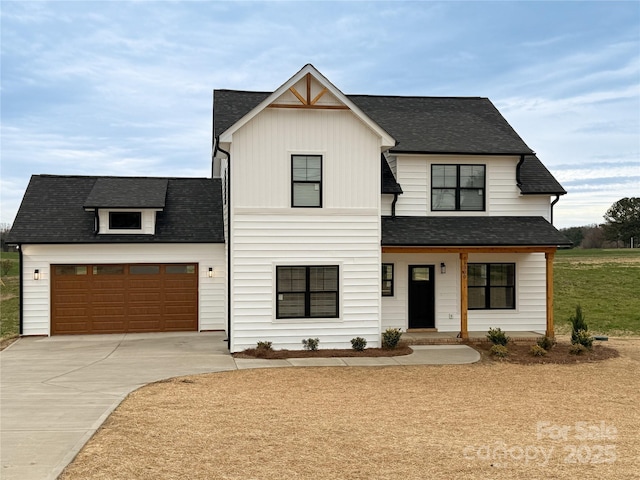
column 127, row 212
column 458, row 189
column 294, row 182
column 391, row 280
column 488, row 286
column 307, row 292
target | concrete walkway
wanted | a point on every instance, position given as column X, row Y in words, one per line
column 57, row 391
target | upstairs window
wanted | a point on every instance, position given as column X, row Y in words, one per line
column 306, row 180
column 125, row 220
column 457, row 187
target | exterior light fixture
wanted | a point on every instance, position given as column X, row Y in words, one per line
column 443, row 268
column 210, row 272
column 36, row 274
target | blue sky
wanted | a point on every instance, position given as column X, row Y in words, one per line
column 125, row 88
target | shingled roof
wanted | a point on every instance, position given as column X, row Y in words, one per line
column 470, row 231
column 536, row 179
column 470, row 125
column 128, row 192
column 389, row 182
column 52, row 211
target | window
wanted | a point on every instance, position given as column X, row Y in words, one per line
column 387, row 279
column 186, row 269
column 457, row 187
column 108, row 269
column 71, row 269
column 125, row 220
column 144, row 269
column 492, row 286
column 307, row 292
column 306, row 181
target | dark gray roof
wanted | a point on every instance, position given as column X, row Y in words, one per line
column 128, row 192
column 470, row 231
column 52, row 212
column 470, row 125
column 535, row 178
column 389, row 182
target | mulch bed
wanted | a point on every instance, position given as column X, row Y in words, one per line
column 401, row 349
column 521, row 353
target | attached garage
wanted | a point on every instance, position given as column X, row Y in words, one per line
column 124, row 298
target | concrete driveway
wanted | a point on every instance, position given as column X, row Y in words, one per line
column 57, row 391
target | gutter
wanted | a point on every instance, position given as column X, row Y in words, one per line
column 518, row 182
column 228, row 179
column 393, row 204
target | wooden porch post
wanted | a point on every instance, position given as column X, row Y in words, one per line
column 549, row 257
column 464, row 299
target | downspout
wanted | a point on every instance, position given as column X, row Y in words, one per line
column 21, row 287
column 518, row 182
column 228, row 179
column 552, row 204
column 393, row 204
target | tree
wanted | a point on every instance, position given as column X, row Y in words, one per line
column 623, row 220
column 575, row 234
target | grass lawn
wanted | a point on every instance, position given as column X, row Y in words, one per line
column 10, row 299
column 605, row 282
column 486, row 420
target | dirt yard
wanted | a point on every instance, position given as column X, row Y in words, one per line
column 494, row 420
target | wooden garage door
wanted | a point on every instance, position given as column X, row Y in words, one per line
column 118, row 298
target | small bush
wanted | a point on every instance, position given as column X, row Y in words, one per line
column 390, row 338
column 5, row 266
column 577, row 349
column 499, row 351
column 537, row 351
column 311, row 344
column 358, row 343
column 546, row 342
column 264, row 346
column 497, row 337
column 582, row 337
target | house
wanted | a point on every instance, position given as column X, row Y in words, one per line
column 328, row 215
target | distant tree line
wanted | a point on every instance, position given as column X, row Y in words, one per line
column 622, row 223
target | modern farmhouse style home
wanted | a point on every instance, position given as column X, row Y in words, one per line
column 327, row 215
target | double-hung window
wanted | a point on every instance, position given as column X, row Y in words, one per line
column 491, row 286
column 306, row 180
column 307, row 292
column 457, row 187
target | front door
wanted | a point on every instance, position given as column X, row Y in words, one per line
column 421, row 296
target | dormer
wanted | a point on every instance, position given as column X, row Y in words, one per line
column 127, row 206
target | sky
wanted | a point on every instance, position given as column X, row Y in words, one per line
column 125, row 88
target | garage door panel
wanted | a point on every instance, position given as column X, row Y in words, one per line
column 124, row 298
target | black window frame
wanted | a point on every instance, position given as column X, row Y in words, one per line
column 138, row 224
column 307, row 292
column 316, row 182
column 488, row 287
column 460, row 189
column 390, row 281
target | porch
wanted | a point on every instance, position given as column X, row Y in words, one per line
column 447, row 338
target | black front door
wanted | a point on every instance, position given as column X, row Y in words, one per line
column 421, row 296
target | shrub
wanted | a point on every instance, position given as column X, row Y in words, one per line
column 311, row 344
column 546, row 342
column 582, row 337
column 358, row 343
column 537, row 351
column 390, row 338
column 499, row 351
column 5, row 266
column 497, row 337
column 264, row 345
column 577, row 349
column 578, row 323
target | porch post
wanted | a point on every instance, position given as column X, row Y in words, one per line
column 464, row 299
column 549, row 258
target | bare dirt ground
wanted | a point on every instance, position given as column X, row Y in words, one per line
column 494, row 420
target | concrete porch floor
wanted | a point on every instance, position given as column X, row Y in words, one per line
column 446, row 338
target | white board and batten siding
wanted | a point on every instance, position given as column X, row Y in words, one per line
column 529, row 314
column 503, row 196
column 267, row 232
column 37, row 293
